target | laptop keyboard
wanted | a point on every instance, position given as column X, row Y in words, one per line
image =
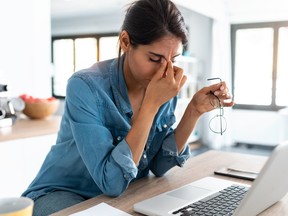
column 221, row 203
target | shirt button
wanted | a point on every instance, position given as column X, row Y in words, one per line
column 144, row 156
column 165, row 125
column 119, row 138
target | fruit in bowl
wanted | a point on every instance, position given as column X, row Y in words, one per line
column 39, row 108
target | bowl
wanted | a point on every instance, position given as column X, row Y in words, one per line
column 40, row 109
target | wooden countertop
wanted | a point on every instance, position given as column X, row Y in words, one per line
column 195, row 168
column 25, row 128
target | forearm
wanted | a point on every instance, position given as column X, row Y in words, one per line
column 138, row 135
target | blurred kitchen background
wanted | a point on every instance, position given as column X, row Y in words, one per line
column 244, row 42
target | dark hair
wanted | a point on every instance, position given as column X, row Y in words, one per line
column 149, row 20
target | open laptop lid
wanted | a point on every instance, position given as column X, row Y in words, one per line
column 270, row 186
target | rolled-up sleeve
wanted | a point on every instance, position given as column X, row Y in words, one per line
column 123, row 158
column 110, row 164
column 168, row 156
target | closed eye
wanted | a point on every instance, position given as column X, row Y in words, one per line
column 156, row 60
column 160, row 59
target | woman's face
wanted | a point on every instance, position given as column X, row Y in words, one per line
column 142, row 62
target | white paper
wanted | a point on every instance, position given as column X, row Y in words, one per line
column 102, row 209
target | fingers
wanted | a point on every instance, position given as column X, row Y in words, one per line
column 183, row 80
column 178, row 73
column 161, row 73
column 220, row 90
column 169, row 70
column 180, row 78
column 172, row 75
column 228, row 104
column 217, row 87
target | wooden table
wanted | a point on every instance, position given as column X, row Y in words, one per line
column 25, row 128
column 195, row 168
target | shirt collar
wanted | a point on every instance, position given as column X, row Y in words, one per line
column 119, row 87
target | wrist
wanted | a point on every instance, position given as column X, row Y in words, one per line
column 150, row 107
column 193, row 111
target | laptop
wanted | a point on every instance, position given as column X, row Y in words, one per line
column 209, row 195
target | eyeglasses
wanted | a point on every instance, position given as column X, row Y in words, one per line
column 218, row 123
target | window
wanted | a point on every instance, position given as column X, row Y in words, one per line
column 70, row 54
column 260, row 68
column 282, row 66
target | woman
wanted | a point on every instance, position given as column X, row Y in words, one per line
column 118, row 114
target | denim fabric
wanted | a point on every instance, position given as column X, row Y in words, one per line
column 91, row 155
column 55, row 201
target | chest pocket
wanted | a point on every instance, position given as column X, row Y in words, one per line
column 165, row 123
column 163, row 126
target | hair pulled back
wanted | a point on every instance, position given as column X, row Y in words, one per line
column 147, row 21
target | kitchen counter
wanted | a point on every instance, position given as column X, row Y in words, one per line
column 25, row 128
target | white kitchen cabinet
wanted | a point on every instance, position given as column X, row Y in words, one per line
column 23, row 148
column 20, row 161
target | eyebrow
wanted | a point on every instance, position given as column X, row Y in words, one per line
column 162, row 56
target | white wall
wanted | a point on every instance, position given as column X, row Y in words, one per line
column 25, row 46
column 87, row 25
column 259, row 127
column 245, row 11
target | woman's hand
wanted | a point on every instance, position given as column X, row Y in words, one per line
column 165, row 84
column 205, row 99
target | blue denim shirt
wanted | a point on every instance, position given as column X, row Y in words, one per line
column 91, row 155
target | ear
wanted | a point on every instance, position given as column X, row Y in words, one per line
column 124, row 41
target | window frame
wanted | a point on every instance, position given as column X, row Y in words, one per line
column 74, row 37
column 275, row 26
